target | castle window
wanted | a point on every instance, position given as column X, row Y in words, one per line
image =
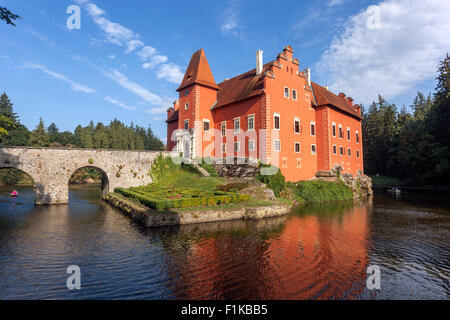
column 186, row 106
column 186, row 125
column 277, row 145
column 357, row 137
column 348, row 134
column 297, row 147
column 334, row 149
column 186, row 93
column 276, row 121
column 341, row 135
column 237, row 125
column 237, row 146
column 286, row 92
column 294, row 94
column 251, row 145
column 341, row 151
column 349, row 151
column 223, row 128
column 333, row 127
column 357, row 153
column 251, row 123
column 296, row 125
column 313, row 149
column 313, row 129
column 205, row 125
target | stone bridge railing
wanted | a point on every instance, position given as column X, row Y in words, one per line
column 51, row 168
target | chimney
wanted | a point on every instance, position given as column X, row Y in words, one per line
column 170, row 112
column 175, row 105
column 308, row 76
column 349, row 101
column 259, row 62
column 326, row 87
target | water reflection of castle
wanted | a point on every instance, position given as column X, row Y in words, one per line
column 305, row 256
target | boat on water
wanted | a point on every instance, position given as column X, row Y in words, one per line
column 394, row 191
column 14, row 193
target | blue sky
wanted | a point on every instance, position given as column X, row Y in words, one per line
column 128, row 57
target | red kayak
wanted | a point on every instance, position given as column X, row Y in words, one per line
column 14, row 194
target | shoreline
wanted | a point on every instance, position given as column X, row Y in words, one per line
column 151, row 218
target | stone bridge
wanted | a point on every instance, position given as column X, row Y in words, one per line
column 51, row 168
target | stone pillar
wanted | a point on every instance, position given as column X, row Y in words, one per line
column 51, row 192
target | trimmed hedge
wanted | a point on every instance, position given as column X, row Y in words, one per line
column 153, row 201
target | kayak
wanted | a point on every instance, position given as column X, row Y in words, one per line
column 394, row 191
column 14, row 194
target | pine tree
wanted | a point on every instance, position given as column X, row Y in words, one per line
column 39, row 136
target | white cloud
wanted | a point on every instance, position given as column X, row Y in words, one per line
column 111, row 56
column 159, row 110
column 406, row 48
column 75, row 86
column 170, row 72
column 333, row 3
column 133, row 45
column 42, row 37
column 231, row 18
column 120, row 104
column 133, row 87
column 146, row 52
column 154, row 61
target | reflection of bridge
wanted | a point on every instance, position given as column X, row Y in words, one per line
column 52, row 168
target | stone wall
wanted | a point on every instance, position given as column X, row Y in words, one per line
column 241, row 168
column 51, row 168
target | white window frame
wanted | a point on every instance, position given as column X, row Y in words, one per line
column 299, row 127
column 186, row 106
column 335, row 148
column 310, row 131
column 222, row 134
column 237, row 130
column 349, row 134
column 279, row 120
column 209, row 125
column 341, row 150
column 184, row 124
column 357, row 136
column 294, row 98
column 288, row 92
column 251, row 116
column 299, row 147
column 275, row 144
column 339, row 132
column 333, row 125
column 253, row 145
column 315, row 148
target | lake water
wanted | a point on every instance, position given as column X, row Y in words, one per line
column 319, row 252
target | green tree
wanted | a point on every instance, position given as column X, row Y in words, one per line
column 8, row 16
column 39, row 136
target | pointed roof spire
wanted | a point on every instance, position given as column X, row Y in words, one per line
column 199, row 72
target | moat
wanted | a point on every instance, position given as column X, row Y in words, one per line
column 319, row 252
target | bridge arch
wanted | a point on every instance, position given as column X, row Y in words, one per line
column 103, row 176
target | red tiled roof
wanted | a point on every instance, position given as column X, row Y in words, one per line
column 199, row 72
column 241, row 87
column 325, row 97
column 173, row 117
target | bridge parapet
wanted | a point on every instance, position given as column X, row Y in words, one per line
column 51, row 168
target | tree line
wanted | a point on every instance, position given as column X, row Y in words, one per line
column 116, row 135
column 411, row 145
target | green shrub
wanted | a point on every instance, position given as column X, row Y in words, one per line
column 209, row 167
column 163, row 169
column 188, row 167
column 276, row 182
column 320, row 191
column 90, row 161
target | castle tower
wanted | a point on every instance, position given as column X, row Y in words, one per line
column 197, row 94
